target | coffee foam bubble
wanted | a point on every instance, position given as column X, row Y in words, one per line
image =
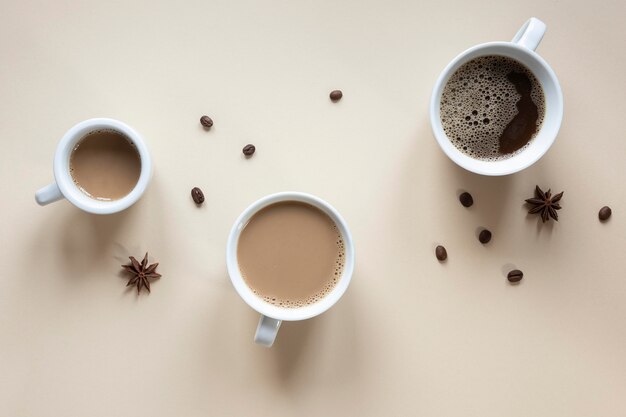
column 478, row 102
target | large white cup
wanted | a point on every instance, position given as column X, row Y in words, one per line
column 522, row 49
column 271, row 315
column 65, row 187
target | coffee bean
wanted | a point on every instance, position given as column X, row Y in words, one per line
column 484, row 236
column 441, row 253
column 515, row 275
column 206, row 121
column 248, row 150
column 336, row 95
column 605, row 213
column 197, row 195
column 466, row 199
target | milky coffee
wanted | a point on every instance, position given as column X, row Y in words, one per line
column 291, row 254
column 492, row 107
column 105, row 165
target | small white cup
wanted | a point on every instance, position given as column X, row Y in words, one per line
column 522, row 49
column 271, row 315
column 65, row 187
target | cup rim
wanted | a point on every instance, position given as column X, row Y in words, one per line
column 256, row 302
column 64, row 179
column 517, row 162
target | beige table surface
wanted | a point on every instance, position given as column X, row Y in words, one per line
column 411, row 337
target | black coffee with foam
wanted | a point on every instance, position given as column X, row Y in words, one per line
column 492, row 107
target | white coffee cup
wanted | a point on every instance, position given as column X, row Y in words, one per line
column 522, row 49
column 271, row 315
column 65, row 187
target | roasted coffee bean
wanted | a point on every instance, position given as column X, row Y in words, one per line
column 336, row 95
column 441, row 253
column 604, row 213
column 466, row 199
column 248, row 150
column 197, row 195
column 515, row 275
column 484, row 236
column 206, row 121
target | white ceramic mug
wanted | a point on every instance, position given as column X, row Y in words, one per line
column 271, row 315
column 65, row 187
column 522, row 49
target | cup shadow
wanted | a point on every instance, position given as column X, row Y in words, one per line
column 292, row 345
column 491, row 194
column 78, row 244
column 303, row 349
column 327, row 341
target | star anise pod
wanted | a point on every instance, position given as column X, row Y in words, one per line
column 141, row 273
column 545, row 204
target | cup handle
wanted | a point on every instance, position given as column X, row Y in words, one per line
column 530, row 34
column 266, row 331
column 48, row 194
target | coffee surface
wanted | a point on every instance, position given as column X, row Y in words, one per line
column 492, row 107
column 105, row 165
column 291, row 254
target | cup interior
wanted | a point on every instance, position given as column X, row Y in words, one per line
column 539, row 145
column 64, row 178
column 291, row 313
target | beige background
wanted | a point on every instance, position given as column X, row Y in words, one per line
column 411, row 337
